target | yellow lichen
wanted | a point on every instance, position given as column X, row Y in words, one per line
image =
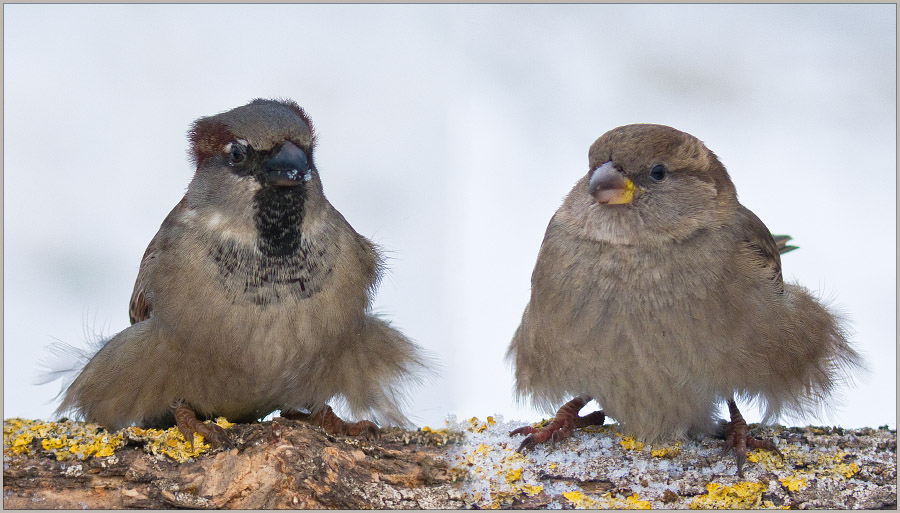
column 633, row 502
column 513, row 474
column 20, row 443
column 573, row 496
column 743, row 495
column 512, row 457
column 666, row 452
column 500, row 499
column 793, row 484
column 848, row 471
column 64, row 440
column 171, row 442
column 609, row 500
column 541, row 423
column 579, row 500
column 531, row 490
column 77, row 440
column 504, row 473
column 223, row 423
column 17, row 436
column 53, row 443
column 830, row 464
column 629, row 443
column 475, row 426
column 770, row 459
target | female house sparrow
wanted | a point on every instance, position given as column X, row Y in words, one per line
column 657, row 294
column 253, row 296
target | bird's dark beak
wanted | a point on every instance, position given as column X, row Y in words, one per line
column 609, row 186
column 288, row 167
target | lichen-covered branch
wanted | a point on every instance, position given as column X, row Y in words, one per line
column 279, row 464
column 290, row 464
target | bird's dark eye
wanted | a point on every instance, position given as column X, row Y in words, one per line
column 658, row 173
column 237, row 153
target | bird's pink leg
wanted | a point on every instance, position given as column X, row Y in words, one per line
column 334, row 425
column 562, row 426
column 188, row 423
column 737, row 437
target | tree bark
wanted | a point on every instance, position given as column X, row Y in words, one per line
column 291, row 464
column 279, row 464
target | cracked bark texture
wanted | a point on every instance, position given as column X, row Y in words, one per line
column 280, row 464
column 289, row 464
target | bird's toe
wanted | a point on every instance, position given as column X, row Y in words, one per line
column 365, row 428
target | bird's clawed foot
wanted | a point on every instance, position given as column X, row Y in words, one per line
column 188, row 423
column 562, row 426
column 737, row 437
column 334, row 425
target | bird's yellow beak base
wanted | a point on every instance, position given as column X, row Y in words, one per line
column 608, row 186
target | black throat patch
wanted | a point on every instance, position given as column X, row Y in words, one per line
column 278, row 217
column 283, row 264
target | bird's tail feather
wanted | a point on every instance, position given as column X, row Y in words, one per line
column 64, row 361
column 377, row 374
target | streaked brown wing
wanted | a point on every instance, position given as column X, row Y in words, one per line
column 139, row 308
column 762, row 245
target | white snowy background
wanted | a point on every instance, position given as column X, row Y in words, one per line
column 449, row 135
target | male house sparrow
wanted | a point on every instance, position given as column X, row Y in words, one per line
column 657, row 294
column 253, row 296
